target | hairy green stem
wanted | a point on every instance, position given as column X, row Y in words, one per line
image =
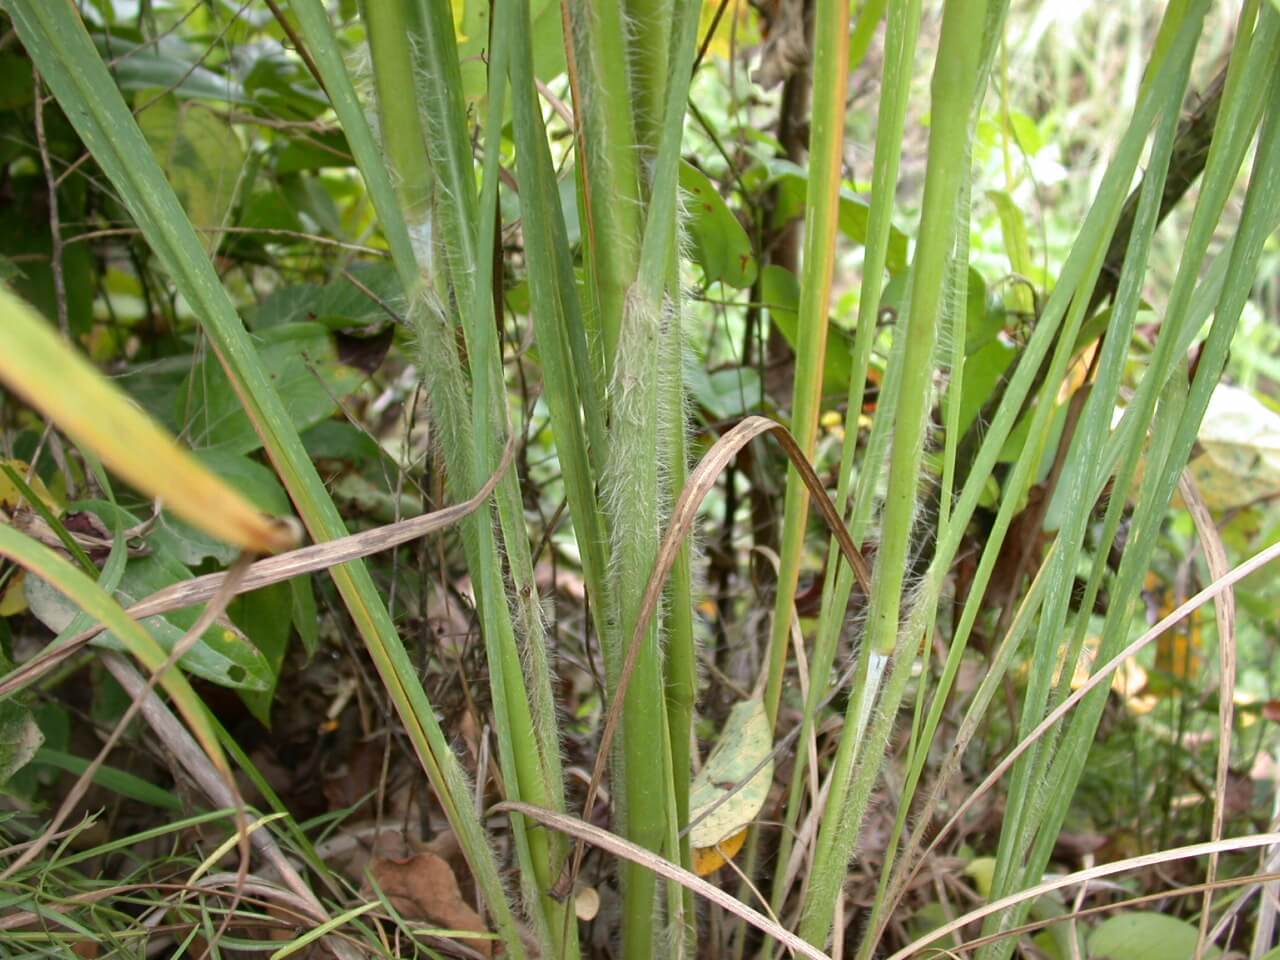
column 955, row 91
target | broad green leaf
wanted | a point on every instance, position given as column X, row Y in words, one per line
column 982, row 373
column 1146, row 936
column 1027, row 132
column 471, row 23
column 282, row 86
column 724, row 394
column 344, row 443
column 264, row 210
column 328, row 148
column 981, row 870
column 744, row 744
column 983, row 322
column 111, row 778
column 45, row 566
column 548, row 40
column 720, row 245
column 266, row 617
column 780, row 291
column 337, row 304
column 306, row 619
column 20, row 735
column 301, row 361
column 169, row 65
column 257, row 483
column 223, row 655
column 854, row 213
column 201, row 155
column 375, row 498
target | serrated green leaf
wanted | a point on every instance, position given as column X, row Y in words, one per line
column 201, row 155
column 301, row 361
column 780, row 291
column 720, row 245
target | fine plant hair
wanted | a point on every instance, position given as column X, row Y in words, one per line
column 446, row 267
column 359, row 64
column 419, row 217
column 444, row 381
column 583, row 22
column 460, row 269
column 639, row 381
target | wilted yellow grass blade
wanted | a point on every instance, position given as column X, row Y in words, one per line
column 51, row 376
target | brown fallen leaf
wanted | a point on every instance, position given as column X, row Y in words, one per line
column 423, row 887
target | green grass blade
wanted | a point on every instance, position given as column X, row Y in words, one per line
column 901, row 33
column 556, row 312
column 1177, row 423
column 956, row 89
column 464, row 415
column 111, row 778
column 607, row 163
column 58, row 43
column 822, row 199
column 325, row 50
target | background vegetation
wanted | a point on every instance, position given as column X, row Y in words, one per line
column 769, row 470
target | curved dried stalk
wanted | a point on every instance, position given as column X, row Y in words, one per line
column 997, row 907
column 263, row 573
column 589, row 833
column 1103, row 673
column 699, row 484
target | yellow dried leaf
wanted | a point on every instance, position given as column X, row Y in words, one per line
column 708, row 860
column 53, row 378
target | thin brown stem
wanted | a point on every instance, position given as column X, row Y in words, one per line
column 55, row 225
